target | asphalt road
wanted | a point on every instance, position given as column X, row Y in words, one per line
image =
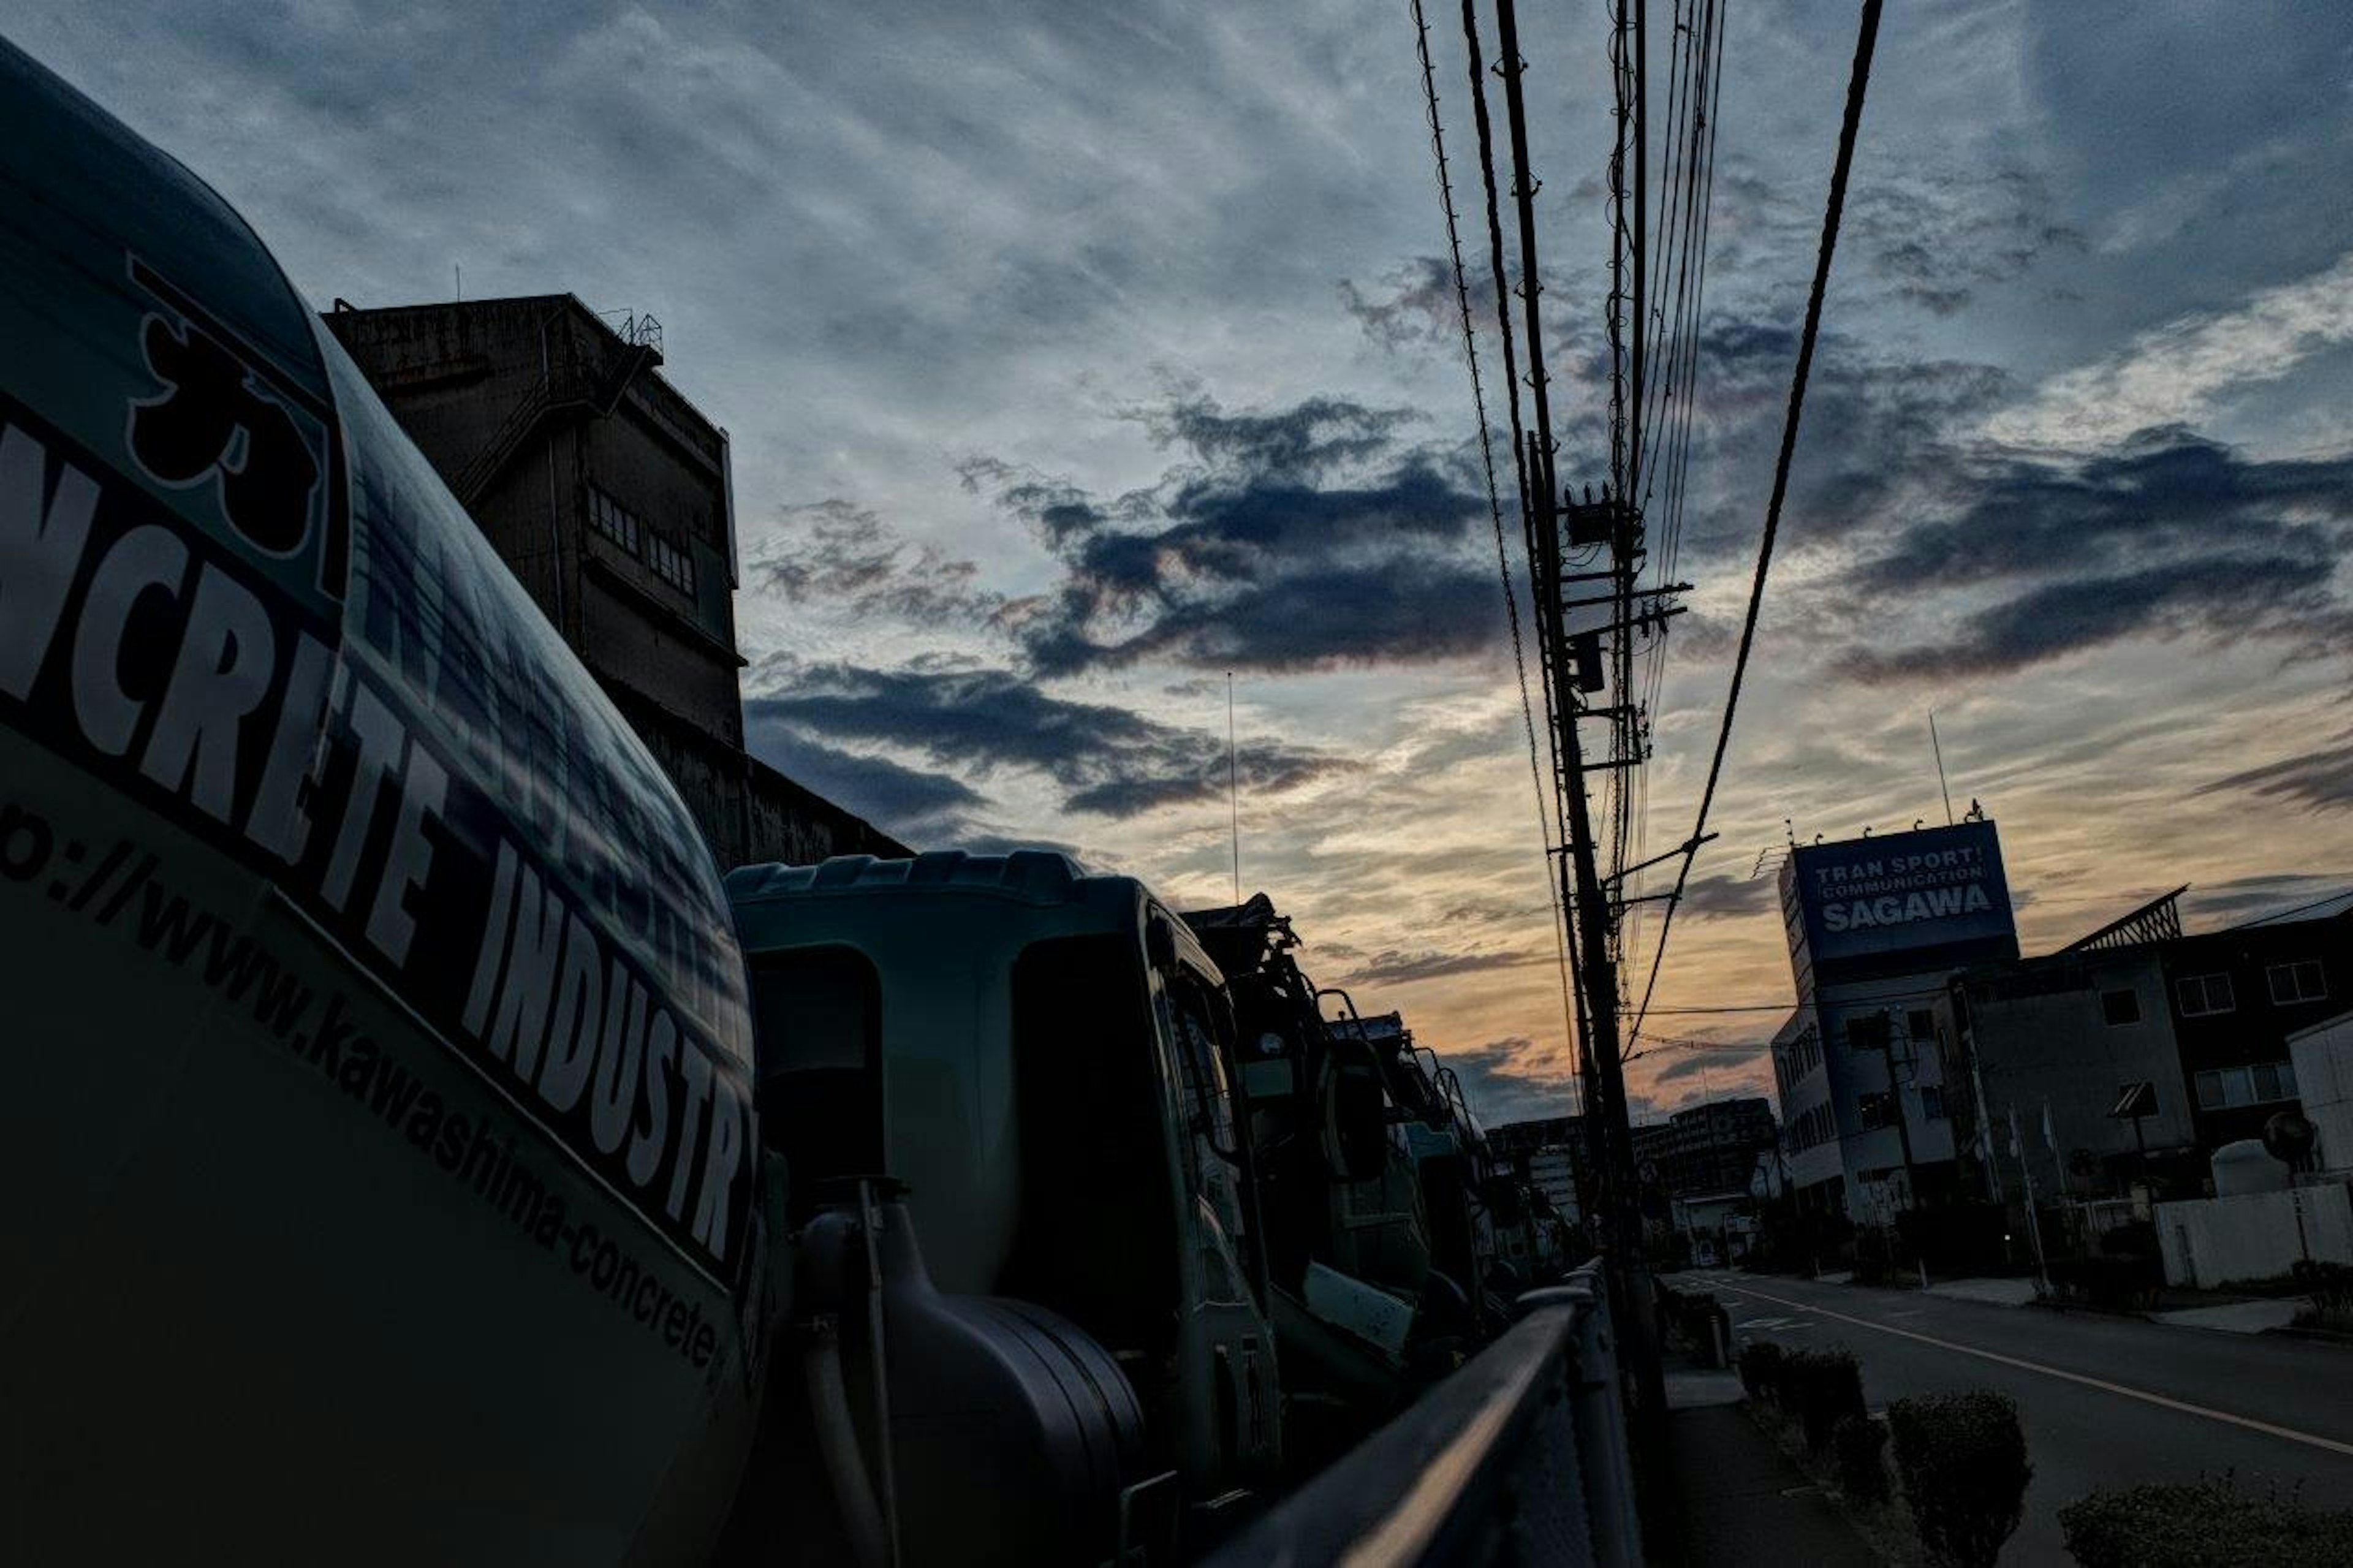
column 2105, row 1401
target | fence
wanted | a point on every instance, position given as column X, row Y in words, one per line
column 2253, row 1235
column 1519, row 1457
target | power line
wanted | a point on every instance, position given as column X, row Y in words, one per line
column 1858, row 82
column 1495, row 498
column 1792, row 1007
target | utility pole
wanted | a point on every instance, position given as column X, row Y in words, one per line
column 1895, row 1099
column 1580, row 880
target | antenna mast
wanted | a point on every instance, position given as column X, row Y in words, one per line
column 1234, row 790
column 1938, row 747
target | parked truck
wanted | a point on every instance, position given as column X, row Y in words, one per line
column 1388, row 1230
column 418, row 1154
column 1040, row 1059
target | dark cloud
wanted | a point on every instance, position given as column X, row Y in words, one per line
column 1877, row 431
column 2163, row 493
column 1415, row 305
column 1930, row 231
column 1707, row 898
column 2166, row 534
column 1308, row 438
column 1109, row 761
column 2239, row 898
column 1393, row 966
column 1478, row 912
column 1302, row 537
column 1940, row 241
column 1712, row 1061
column 2319, row 780
column 847, row 559
column 911, row 804
column 1512, row 1079
column 2217, row 600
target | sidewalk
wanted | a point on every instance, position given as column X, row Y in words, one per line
column 2237, row 1317
column 2229, row 1314
column 1738, row 1499
column 2000, row 1292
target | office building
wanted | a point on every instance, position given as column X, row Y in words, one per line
column 1875, row 927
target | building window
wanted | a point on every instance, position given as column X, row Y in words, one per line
column 2299, row 982
column 2203, row 996
column 2120, row 1006
column 2273, row 1080
column 614, row 520
column 1932, row 1104
column 1922, row 1024
column 2226, row 1088
column 670, row 563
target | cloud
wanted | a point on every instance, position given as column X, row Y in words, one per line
column 911, row 804
column 2180, row 371
column 1709, row 898
column 2239, row 898
column 1711, row 1062
column 1938, row 237
column 2166, row 534
column 1311, row 536
column 1414, row 305
column 1109, row 761
column 847, row 558
column 2318, row 780
column 2217, row 600
column 1514, row 1078
column 1393, row 966
column 2167, row 491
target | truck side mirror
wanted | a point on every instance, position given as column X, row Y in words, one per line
column 1160, row 942
column 1360, row 1115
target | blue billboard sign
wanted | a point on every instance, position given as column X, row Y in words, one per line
column 1925, row 899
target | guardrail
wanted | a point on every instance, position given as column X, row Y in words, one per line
column 1520, row 1457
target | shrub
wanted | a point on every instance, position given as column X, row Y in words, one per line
column 2133, row 1238
column 1857, row 1441
column 1760, row 1363
column 2194, row 1526
column 1963, row 1461
column 1817, row 1389
column 2329, row 1284
column 2111, row 1281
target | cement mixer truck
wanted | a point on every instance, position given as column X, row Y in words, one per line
column 415, row 1152
column 397, row 1170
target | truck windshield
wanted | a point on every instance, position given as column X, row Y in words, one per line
column 1097, row 1237
column 820, row 1031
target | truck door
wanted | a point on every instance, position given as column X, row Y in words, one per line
column 1229, row 1337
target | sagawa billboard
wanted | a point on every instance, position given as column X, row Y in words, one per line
column 1929, row 897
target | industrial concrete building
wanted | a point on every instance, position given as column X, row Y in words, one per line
column 610, row 496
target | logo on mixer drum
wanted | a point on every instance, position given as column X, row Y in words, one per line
column 221, row 413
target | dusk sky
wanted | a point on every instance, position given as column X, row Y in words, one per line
column 1074, row 356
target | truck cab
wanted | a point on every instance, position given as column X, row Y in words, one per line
column 1044, row 1058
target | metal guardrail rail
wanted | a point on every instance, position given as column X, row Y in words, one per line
column 1519, row 1457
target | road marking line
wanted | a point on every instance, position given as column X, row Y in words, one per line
column 2249, row 1422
